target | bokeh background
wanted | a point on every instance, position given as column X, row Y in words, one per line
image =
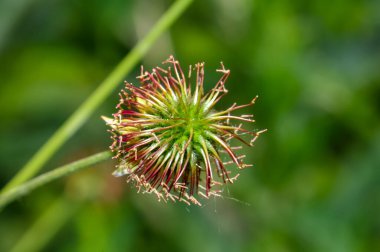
column 315, row 184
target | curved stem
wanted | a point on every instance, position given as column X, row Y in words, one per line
column 23, row 189
column 78, row 118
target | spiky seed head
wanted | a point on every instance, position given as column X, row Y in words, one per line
column 168, row 138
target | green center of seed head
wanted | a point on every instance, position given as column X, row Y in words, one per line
column 192, row 117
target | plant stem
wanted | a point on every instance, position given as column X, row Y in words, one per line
column 16, row 192
column 78, row 118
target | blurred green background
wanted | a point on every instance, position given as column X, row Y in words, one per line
column 315, row 184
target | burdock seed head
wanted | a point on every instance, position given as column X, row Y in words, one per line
column 168, row 138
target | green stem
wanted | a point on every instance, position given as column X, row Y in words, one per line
column 78, row 118
column 16, row 192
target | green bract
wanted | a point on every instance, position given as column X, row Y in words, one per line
column 168, row 138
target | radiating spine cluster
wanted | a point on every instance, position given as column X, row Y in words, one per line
column 168, row 138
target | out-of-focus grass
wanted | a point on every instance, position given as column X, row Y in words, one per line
column 316, row 180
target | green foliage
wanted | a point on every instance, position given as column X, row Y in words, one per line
column 315, row 181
